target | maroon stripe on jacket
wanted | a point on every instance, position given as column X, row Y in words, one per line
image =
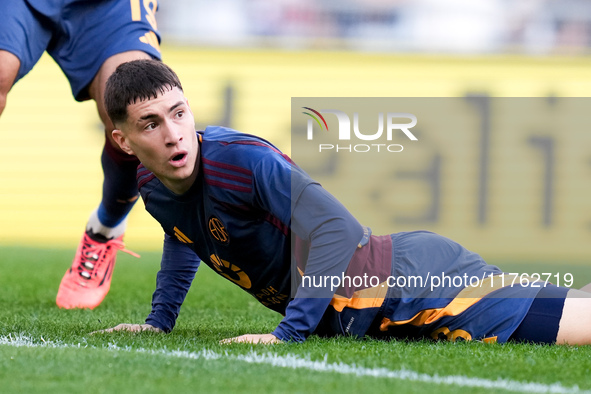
column 229, row 186
column 224, row 175
column 226, row 166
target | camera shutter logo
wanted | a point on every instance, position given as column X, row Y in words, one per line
column 230, row 271
column 390, row 123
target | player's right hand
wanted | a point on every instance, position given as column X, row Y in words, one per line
column 129, row 327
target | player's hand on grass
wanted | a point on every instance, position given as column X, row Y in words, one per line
column 266, row 339
column 130, row 328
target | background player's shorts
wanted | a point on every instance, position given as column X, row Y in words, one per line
column 79, row 34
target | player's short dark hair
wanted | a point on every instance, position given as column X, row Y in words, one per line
column 136, row 81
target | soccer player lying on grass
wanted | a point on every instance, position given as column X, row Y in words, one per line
column 238, row 204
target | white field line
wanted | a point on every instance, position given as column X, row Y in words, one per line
column 297, row 362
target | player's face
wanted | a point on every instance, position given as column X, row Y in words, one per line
column 161, row 133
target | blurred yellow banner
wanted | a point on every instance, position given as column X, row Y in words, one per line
column 507, row 177
column 50, row 145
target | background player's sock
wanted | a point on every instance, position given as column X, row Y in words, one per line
column 119, row 190
column 101, row 233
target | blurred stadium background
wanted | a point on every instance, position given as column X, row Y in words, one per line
column 241, row 62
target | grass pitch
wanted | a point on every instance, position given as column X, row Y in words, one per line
column 47, row 350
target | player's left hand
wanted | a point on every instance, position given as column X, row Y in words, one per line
column 129, row 327
column 266, row 339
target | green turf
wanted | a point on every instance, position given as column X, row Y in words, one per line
column 215, row 309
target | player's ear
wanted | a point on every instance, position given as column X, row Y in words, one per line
column 120, row 139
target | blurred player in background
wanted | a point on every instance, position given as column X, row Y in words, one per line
column 88, row 40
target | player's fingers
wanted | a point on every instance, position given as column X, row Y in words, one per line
column 120, row 327
column 100, row 331
column 252, row 338
column 228, row 341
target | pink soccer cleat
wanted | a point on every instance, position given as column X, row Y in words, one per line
column 88, row 280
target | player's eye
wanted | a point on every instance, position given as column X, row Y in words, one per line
column 180, row 114
column 150, row 126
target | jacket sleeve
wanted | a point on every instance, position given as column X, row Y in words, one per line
column 333, row 234
column 177, row 270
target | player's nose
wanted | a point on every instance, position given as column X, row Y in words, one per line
column 172, row 134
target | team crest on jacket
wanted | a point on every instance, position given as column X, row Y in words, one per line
column 218, row 230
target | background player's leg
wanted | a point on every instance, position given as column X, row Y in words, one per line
column 119, row 169
column 575, row 323
column 97, row 86
column 129, row 33
column 88, row 281
column 9, row 65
